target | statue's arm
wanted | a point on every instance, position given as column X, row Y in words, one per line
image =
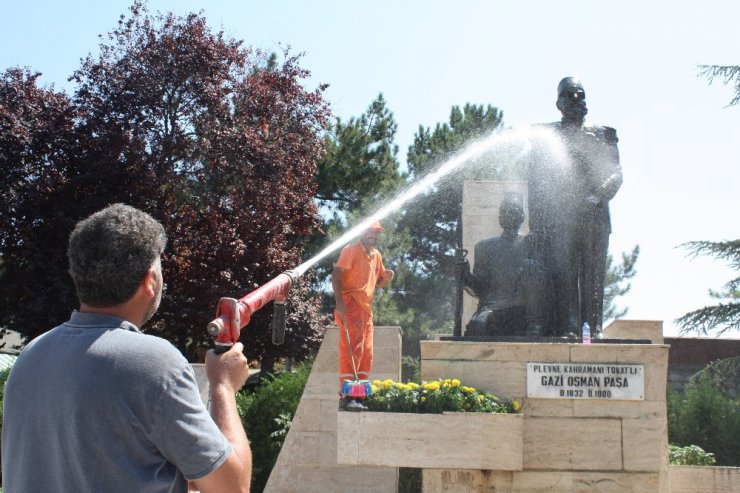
column 474, row 281
column 613, row 178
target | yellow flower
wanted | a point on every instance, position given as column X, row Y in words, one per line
column 455, row 382
column 387, row 383
column 374, row 387
column 412, row 385
column 517, row 406
column 400, row 386
column 377, row 383
column 468, row 390
column 423, row 399
column 431, row 385
column 480, row 398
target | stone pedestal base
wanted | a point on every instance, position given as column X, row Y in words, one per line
column 569, row 444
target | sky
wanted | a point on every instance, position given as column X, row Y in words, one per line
column 638, row 61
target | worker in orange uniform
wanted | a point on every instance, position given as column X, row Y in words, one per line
column 356, row 274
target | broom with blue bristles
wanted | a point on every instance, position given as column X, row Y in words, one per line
column 354, row 388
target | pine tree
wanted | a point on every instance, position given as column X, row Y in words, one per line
column 727, row 73
column 433, row 219
column 617, row 283
column 725, row 315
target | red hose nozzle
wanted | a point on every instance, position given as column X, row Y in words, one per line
column 232, row 314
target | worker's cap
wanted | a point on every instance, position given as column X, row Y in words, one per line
column 375, row 227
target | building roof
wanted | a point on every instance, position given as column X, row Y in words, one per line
column 695, row 351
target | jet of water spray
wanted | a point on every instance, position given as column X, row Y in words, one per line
column 471, row 152
column 233, row 314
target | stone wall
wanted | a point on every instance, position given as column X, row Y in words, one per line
column 651, row 330
column 308, row 460
column 696, row 479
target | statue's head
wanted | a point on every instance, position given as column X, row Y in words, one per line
column 511, row 212
column 572, row 99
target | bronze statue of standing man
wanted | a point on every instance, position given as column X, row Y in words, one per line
column 569, row 207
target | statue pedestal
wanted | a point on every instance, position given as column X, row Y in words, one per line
column 615, row 440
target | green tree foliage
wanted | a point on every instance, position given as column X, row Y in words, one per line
column 729, row 74
column 725, row 373
column 691, row 455
column 617, row 283
column 266, row 413
column 433, row 219
column 725, row 315
column 707, row 416
column 361, row 162
column 394, row 244
column 217, row 141
column 359, row 169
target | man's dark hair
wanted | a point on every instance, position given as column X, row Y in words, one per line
column 110, row 252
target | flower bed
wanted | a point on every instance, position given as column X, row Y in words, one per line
column 443, row 395
column 415, row 428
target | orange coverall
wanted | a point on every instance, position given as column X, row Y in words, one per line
column 360, row 272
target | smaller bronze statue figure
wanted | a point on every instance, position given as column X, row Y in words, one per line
column 505, row 279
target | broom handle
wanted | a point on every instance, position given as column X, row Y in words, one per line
column 349, row 346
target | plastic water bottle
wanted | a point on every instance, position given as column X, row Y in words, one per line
column 586, row 333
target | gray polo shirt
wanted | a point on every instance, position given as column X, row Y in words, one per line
column 95, row 405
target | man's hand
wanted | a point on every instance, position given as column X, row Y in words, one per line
column 229, row 369
column 385, row 278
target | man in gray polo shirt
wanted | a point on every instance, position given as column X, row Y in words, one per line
column 96, row 405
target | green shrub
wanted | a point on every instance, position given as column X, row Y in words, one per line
column 705, row 416
column 690, row 456
column 726, row 374
column 266, row 414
